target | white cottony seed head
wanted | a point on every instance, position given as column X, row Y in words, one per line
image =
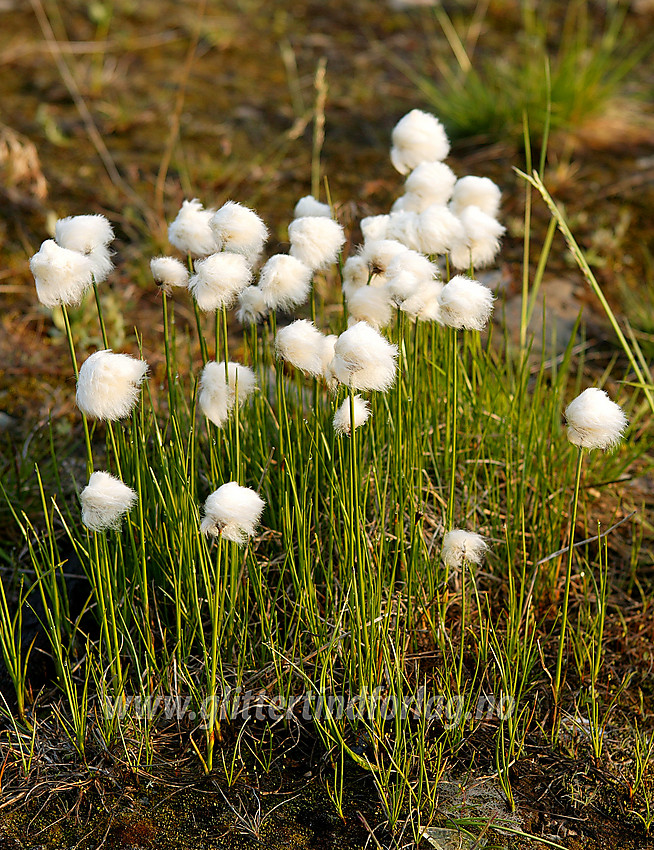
column 410, row 263
column 309, row 206
column 213, row 395
column 108, row 385
column 218, row 279
column 465, row 304
column 481, row 241
column 404, row 227
column 461, row 546
column 240, row 230
column 476, row 191
column 423, row 304
column 232, row 512
column 594, row 421
column 408, row 202
column 302, row 345
column 191, row 232
column 101, row 262
column 90, row 235
column 356, row 273
column 285, row 282
column 105, row 500
column 418, row 137
column 327, row 357
column 217, row 396
column 374, row 227
column 438, row 230
column 371, row 304
column 431, row 182
column 316, row 240
column 363, row 359
column 378, row 255
column 62, row 276
column 343, row 416
column 83, row 233
column 242, row 382
column 252, row 306
column 169, row 273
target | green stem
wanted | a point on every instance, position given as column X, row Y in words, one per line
column 459, row 672
column 73, row 359
column 198, row 322
column 566, row 596
column 454, row 401
column 356, row 547
column 98, row 305
column 216, row 619
column 169, row 370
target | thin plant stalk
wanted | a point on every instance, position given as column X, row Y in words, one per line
column 73, row 360
column 453, row 403
column 581, row 261
column 566, row 595
column 103, row 330
column 213, row 727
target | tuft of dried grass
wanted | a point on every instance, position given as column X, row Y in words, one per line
column 20, row 164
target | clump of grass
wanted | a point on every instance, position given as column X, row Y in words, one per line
column 339, row 611
column 563, row 65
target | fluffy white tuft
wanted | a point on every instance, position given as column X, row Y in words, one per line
column 371, row 304
column 418, row 137
column 252, row 306
column 374, row 227
column 316, row 240
column 62, row 276
column 232, row 512
column 240, row 230
column 594, row 421
column 327, row 357
column 465, row 304
column 356, row 273
column 309, row 206
column 168, row 273
column 285, row 282
column 481, row 241
column 461, row 547
column 108, row 384
column 423, row 303
column 408, row 272
column 302, row 345
column 343, row 416
column 83, row 233
column 102, row 263
column 105, row 500
column 363, row 359
column 378, row 255
column 431, row 182
column 90, row 235
column 217, row 395
column 213, row 393
column 403, row 227
column 408, row 202
column 191, row 232
column 218, row 279
column 476, row 191
column 438, row 230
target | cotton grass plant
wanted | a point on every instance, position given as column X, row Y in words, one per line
column 323, row 507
